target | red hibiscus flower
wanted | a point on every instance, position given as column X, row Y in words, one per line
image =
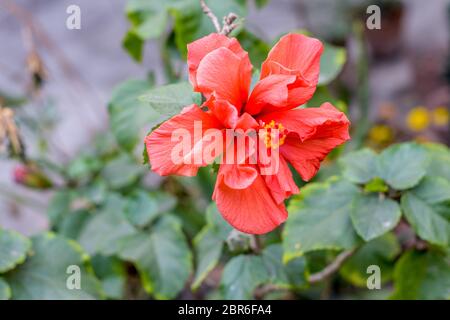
column 220, row 69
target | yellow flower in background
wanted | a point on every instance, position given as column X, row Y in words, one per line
column 381, row 134
column 418, row 119
column 440, row 116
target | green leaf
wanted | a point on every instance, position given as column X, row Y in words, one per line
column 148, row 18
column 402, row 166
column 44, row 275
column 261, row 3
column 292, row 275
column 95, row 192
column 376, row 185
column 422, row 276
column 148, row 21
column 322, row 95
column 208, row 244
column 242, row 275
column 112, row 274
column 331, row 63
column 162, row 257
column 190, row 23
column 433, row 190
column 101, row 234
column 83, row 167
column 380, row 251
column 439, row 160
column 130, row 118
column 425, row 220
column 5, row 290
column 359, row 166
column 257, row 48
column 14, row 249
column 169, row 100
column 72, row 223
column 59, row 205
column 144, row 207
column 122, row 171
column 208, row 249
column 373, row 215
column 320, row 219
column 134, row 45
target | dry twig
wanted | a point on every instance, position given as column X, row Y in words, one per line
column 331, row 268
column 228, row 21
column 211, row 15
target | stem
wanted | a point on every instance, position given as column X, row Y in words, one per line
column 211, row 15
column 362, row 93
column 314, row 278
column 228, row 21
column 255, row 243
column 331, row 268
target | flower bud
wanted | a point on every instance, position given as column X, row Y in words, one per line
column 31, row 177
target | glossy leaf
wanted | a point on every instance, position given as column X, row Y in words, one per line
column 402, row 166
column 380, row 252
column 190, row 23
column 331, row 63
column 103, row 231
column 169, row 100
column 143, row 207
column 13, row 249
column 5, row 290
column 44, row 275
column 439, row 165
column 242, row 275
column 359, row 166
column 112, row 273
column 121, row 171
column 292, row 275
column 373, row 215
column 208, row 244
column 319, row 218
column 425, row 220
column 422, row 275
column 131, row 118
column 162, row 257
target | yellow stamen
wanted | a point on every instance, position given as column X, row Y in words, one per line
column 272, row 129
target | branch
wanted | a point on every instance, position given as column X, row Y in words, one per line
column 211, row 15
column 314, row 278
column 331, row 268
column 228, row 21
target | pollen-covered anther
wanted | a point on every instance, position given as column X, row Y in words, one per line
column 274, row 134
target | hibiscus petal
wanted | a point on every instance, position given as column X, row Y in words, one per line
column 225, row 75
column 224, row 111
column 198, row 49
column 281, row 184
column 163, row 144
column 270, row 92
column 246, row 122
column 238, row 176
column 294, row 55
column 250, row 210
column 313, row 133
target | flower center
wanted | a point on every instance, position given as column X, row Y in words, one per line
column 274, row 135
